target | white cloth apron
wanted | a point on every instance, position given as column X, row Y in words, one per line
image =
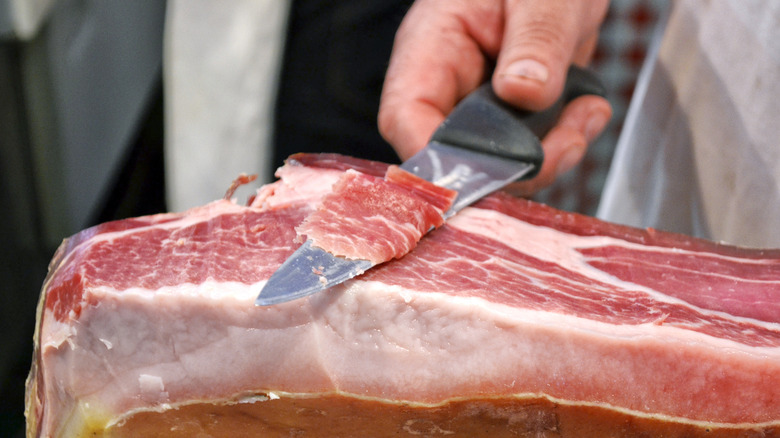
column 221, row 67
column 700, row 150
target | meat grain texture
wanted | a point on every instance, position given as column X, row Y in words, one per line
column 511, row 319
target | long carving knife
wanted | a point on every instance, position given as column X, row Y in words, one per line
column 483, row 145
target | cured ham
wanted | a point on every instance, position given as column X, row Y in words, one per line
column 376, row 219
column 511, row 319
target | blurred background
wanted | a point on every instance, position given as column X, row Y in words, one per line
column 83, row 125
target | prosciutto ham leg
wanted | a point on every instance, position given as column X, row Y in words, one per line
column 511, row 319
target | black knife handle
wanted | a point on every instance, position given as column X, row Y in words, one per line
column 485, row 123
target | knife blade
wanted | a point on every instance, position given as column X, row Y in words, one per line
column 483, row 145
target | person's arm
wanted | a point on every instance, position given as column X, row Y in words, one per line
column 446, row 48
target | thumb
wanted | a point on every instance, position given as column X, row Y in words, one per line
column 540, row 40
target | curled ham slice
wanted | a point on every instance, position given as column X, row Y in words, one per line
column 376, row 219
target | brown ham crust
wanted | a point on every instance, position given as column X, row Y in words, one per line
column 331, row 415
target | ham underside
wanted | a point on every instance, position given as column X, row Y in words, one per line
column 510, row 319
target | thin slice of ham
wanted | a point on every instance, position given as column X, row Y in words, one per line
column 511, row 319
column 376, row 219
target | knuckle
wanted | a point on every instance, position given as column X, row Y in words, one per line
column 542, row 34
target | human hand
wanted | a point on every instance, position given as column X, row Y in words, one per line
column 444, row 49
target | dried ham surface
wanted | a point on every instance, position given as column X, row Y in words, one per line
column 376, row 219
column 508, row 298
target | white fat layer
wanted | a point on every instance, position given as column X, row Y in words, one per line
column 54, row 332
column 163, row 348
column 168, row 348
column 554, row 246
column 210, row 290
column 150, row 384
column 59, row 332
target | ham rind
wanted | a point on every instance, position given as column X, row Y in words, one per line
column 376, row 219
column 511, row 319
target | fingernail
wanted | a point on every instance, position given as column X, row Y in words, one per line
column 528, row 69
column 567, row 162
column 596, row 123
